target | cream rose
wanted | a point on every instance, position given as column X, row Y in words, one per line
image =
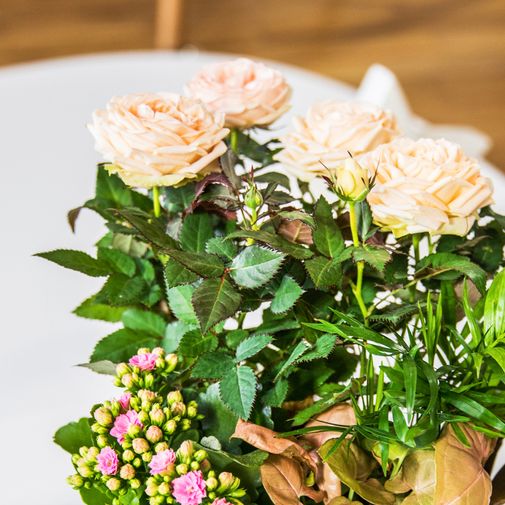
column 159, row 139
column 329, row 131
column 425, row 186
column 247, row 92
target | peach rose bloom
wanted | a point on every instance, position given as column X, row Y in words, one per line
column 425, row 186
column 159, row 139
column 329, row 131
column 247, row 92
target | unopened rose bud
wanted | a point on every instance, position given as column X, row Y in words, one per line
column 135, row 483
column 127, row 472
column 178, row 409
column 76, row 481
column 127, row 380
column 102, row 441
column 170, row 426
column 121, row 369
column 200, row 455
column 157, row 416
column 211, row 483
column 181, row 469
column 162, row 446
column 185, row 451
column 140, row 445
column 351, row 180
column 103, row 416
column 128, row 456
column 154, row 434
column 113, row 484
column 171, row 361
column 253, row 198
column 174, row 396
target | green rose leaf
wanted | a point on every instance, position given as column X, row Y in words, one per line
column 324, row 272
column 203, row 264
column 276, row 396
column 120, row 290
column 74, row 435
column 327, row 235
column 213, row 301
column 255, row 266
column 142, row 320
column 77, row 260
column 221, row 246
column 176, row 274
column 91, row 309
column 117, row 261
column 174, row 333
column 251, row 346
column 376, row 257
column 321, row 349
column 195, row 232
column 194, row 343
column 179, row 299
column 300, row 349
column 286, row 295
column 213, row 365
column 238, row 390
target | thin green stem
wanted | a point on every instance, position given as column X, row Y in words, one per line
column 360, row 266
column 416, row 238
column 156, row 201
column 234, row 140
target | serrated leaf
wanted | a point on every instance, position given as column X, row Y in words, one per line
column 176, row 274
column 213, row 301
column 179, row 300
column 276, row 396
column 196, row 230
column 117, row 261
column 77, row 260
column 324, row 272
column 286, row 295
column 213, row 365
column 194, row 343
column 321, row 349
column 222, row 247
column 297, row 215
column 90, row 309
column 251, row 346
column 327, row 235
column 238, row 390
column 203, row 264
column 143, row 320
column 255, row 266
column 174, row 333
column 300, row 349
column 121, row 290
column 376, row 257
column 74, row 435
column 119, row 346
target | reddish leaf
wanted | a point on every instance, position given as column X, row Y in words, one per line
column 295, row 231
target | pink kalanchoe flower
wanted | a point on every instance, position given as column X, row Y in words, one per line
column 124, row 400
column 107, row 461
column 189, row 489
column 161, row 461
column 221, row 501
column 123, row 423
column 146, row 361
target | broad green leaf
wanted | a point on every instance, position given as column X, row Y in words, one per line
column 174, row 333
column 286, row 295
column 238, row 390
column 222, row 247
column 95, row 496
column 498, row 354
column 275, row 397
column 214, row 300
column 448, row 264
column 120, row 290
column 77, row 260
column 195, row 232
column 129, row 245
column 410, row 380
column 194, row 344
column 213, row 365
column 74, row 435
column 300, row 349
column 376, row 257
column 179, row 199
column 104, row 367
column 255, row 266
column 91, row 309
column 143, row 320
column 119, row 346
column 117, row 261
column 269, row 177
column 324, row 272
column 176, row 274
column 203, row 264
column 327, row 235
column 494, row 308
column 179, row 299
column 251, row 346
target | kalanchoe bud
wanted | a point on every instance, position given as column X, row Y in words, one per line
column 185, row 424
column 205, row 466
column 157, row 416
column 127, row 380
column 93, row 452
column 174, row 396
column 200, row 455
column 143, row 417
column 121, row 369
column 162, row 446
column 76, row 481
column 151, row 487
column 227, row 482
column 113, row 484
column 102, row 441
column 159, row 351
column 178, row 409
column 211, row 483
column 140, row 445
column 181, row 469
column 146, row 395
column 170, row 426
column 128, row 455
column 164, row 489
column 85, row 471
column 171, row 361
column 154, row 434
column 103, row 416
column 147, row 457
column 156, row 500
column 149, row 380
column 191, row 412
column 127, row 472
column 135, row 483
column 144, row 350
column 185, row 452
column 137, row 462
column 194, row 465
column 134, row 430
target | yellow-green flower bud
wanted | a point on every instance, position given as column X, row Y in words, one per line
column 151, row 487
column 192, row 412
column 76, row 481
column 227, row 482
column 171, row 361
column 146, row 395
column 252, row 197
column 181, row 469
column 93, row 452
column 170, row 426
column 185, row 424
column 113, row 484
column 149, row 380
column 156, row 500
column 200, row 455
column 147, row 457
column 128, row 456
column 143, row 417
column 194, row 465
column 85, row 471
column 121, row 369
column 140, row 445
column 76, row 458
column 97, row 428
column 159, row 351
column 164, row 489
column 162, row 446
column 157, row 416
column 135, row 483
column 137, row 462
column 211, row 483
column 133, row 430
column 127, row 380
column 178, row 409
column 102, row 441
column 154, row 434
column 127, row 472
column 103, row 416
column 351, row 181
column 185, row 452
column 174, row 396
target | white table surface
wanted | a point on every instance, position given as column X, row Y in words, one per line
column 48, row 167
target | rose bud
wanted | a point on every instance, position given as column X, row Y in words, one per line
column 103, row 416
column 76, row 481
column 113, row 484
column 128, row 455
column 140, row 445
column 174, row 396
column 351, row 180
column 154, row 434
column 127, row 472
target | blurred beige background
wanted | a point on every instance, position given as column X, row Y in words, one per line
column 449, row 54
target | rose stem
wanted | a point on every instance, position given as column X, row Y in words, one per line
column 156, row 201
column 233, row 140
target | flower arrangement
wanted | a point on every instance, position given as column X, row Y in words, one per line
column 298, row 344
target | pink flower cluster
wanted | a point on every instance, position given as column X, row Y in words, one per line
column 189, row 489
column 221, row 501
column 124, row 400
column 123, row 423
column 161, row 461
column 107, row 461
column 146, row 361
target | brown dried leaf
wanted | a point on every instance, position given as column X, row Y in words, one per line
column 284, row 481
column 295, row 231
column 341, row 414
column 342, row 500
column 461, row 478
